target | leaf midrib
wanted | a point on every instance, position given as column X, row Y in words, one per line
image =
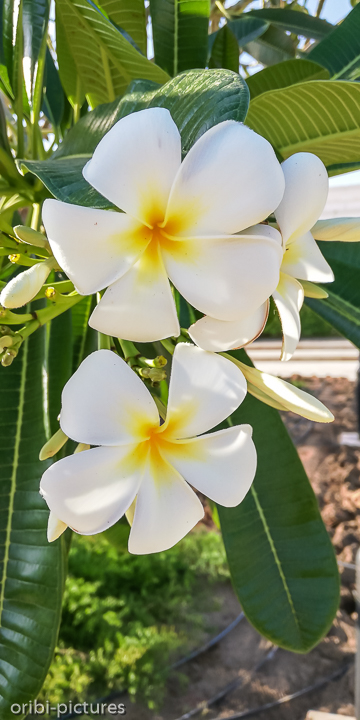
column 276, row 557
column 14, row 474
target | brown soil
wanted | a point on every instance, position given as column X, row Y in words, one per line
column 334, row 472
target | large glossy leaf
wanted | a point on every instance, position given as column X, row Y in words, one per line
column 31, row 569
column 129, row 16
column 84, row 337
column 59, row 357
column 105, row 60
column 4, row 76
column 63, row 178
column 289, row 72
column 342, row 307
column 83, row 138
column 35, row 21
column 225, row 50
column 296, row 22
column 340, row 51
column 282, row 563
column 322, row 117
column 180, row 33
column 12, row 41
column 272, row 47
column 197, row 100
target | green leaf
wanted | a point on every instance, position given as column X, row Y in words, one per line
column 83, row 138
column 225, row 50
column 272, row 47
column 5, row 85
column 35, row 23
column 68, row 72
column 63, row 178
column 281, row 560
column 85, row 338
column 58, row 364
column 180, row 32
column 296, row 22
column 339, row 52
column 246, row 29
column 128, row 15
column 105, row 61
column 197, row 100
column 31, row 568
column 342, row 307
column 53, row 100
column 285, row 74
column 322, row 117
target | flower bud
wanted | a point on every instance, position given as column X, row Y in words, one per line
column 30, row 236
column 23, row 288
column 53, row 445
column 8, row 357
column 5, row 342
column 81, row 447
column 55, row 527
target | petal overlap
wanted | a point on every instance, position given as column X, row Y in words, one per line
column 140, row 306
column 218, row 335
column 94, row 247
column 98, row 401
column 135, row 163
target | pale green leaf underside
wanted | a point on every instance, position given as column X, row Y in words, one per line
column 322, row 117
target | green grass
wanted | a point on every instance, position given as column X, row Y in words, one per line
column 125, row 617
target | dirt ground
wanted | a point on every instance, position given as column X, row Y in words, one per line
column 334, row 471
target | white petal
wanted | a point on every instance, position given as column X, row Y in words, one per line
column 140, row 306
column 221, row 465
column 135, row 163
column 230, row 179
column 286, row 394
column 204, row 389
column 337, row 229
column 306, row 191
column 219, row 335
column 226, row 278
column 23, row 288
column 90, row 491
column 93, row 247
column 289, row 297
column 304, row 261
column 166, row 510
column 55, row 527
column 106, row 403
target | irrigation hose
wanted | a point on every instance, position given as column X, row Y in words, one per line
column 339, row 673
column 194, row 654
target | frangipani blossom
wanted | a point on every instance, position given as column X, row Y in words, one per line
column 106, row 404
column 306, row 189
column 179, row 221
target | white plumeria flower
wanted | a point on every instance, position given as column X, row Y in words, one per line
column 306, row 189
column 178, row 222
column 106, row 404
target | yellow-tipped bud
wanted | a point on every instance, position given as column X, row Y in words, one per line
column 30, row 236
column 153, row 374
column 53, row 445
column 14, row 258
column 6, row 341
column 81, row 447
column 55, row 527
column 23, row 288
column 8, row 357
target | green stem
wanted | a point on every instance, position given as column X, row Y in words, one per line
column 35, row 217
column 49, row 313
column 104, row 341
column 129, row 349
